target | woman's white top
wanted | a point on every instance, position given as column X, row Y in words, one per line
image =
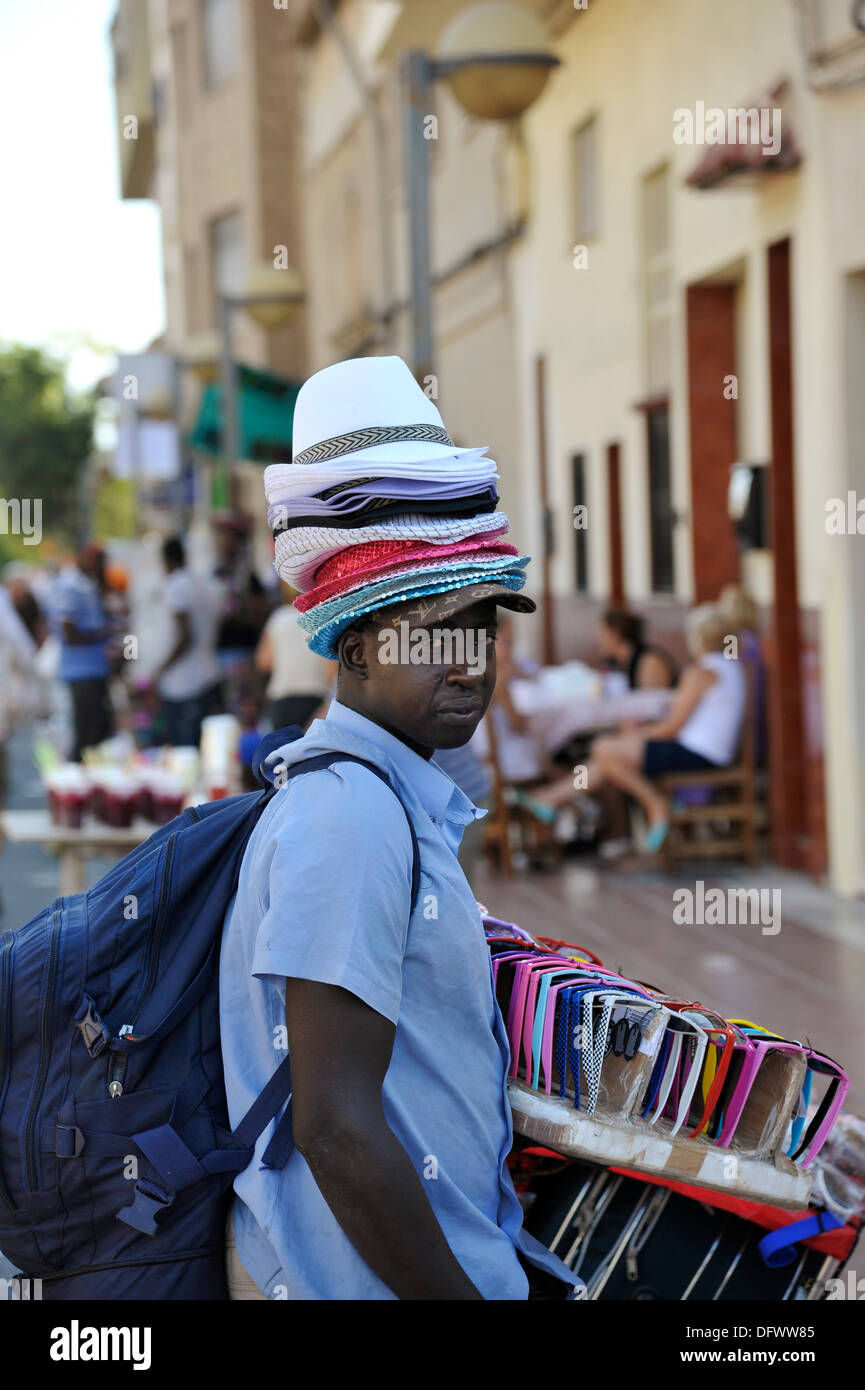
column 295, row 669
column 713, row 728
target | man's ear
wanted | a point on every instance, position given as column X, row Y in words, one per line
column 352, row 655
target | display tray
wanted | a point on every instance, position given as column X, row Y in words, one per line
column 634, row 1144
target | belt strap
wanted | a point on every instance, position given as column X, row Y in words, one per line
column 778, row 1248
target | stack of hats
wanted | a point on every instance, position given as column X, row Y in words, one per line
column 379, row 505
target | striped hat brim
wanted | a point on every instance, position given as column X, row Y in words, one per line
column 473, row 586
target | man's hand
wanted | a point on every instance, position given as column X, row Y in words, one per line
column 340, row 1051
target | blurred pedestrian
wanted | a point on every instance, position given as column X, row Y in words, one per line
column 28, row 609
column 82, row 625
column 17, row 651
column 246, row 604
column 298, row 678
column 188, row 678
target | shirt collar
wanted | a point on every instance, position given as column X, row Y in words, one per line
column 440, row 797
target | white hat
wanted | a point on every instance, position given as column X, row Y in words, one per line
column 370, row 409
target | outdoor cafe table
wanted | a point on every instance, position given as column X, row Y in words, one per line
column 557, row 714
column 73, row 846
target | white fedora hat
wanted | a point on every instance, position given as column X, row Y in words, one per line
column 368, row 409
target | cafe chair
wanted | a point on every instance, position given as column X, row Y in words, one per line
column 730, row 808
column 510, row 827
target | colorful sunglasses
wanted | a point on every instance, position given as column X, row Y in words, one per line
column 585, row 1043
column 721, row 1036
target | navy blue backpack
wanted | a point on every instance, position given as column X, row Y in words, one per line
column 116, row 1157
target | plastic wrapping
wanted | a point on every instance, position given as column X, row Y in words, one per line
column 839, row 1169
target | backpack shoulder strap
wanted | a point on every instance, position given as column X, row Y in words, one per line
column 322, row 760
column 268, row 745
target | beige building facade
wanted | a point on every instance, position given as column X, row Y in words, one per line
column 214, row 87
column 659, row 314
column 622, row 309
column 356, row 223
column 693, row 314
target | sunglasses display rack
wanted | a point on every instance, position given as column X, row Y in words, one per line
column 617, row 1072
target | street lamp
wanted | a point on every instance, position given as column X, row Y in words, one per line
column 201, row 355
column 495, row 59
column 272, row 298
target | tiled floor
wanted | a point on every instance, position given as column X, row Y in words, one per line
column 807, row 981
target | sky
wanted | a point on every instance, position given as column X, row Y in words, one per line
column 80, row 268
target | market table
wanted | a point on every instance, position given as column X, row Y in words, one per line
column 73, row 846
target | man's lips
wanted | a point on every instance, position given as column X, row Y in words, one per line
column 468, row 706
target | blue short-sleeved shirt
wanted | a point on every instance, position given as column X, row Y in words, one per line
column 75, row 597
column 324, row 894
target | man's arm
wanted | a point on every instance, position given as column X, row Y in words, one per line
column 340, row 1051
column 83, row 637
column 182, row 643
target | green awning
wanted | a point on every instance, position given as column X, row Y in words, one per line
column 265, row 405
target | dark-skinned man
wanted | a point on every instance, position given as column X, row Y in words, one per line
column 398, row 1187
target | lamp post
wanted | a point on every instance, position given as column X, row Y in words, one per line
column 272, row 298
column 494, row 57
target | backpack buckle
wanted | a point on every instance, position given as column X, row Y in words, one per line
column 91, row 1027
column 68, row 1141
column 149, row 1201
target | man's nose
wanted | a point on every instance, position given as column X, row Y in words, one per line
column 462, row 673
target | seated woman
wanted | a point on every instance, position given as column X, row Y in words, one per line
column 623, row 648
column 700, row 731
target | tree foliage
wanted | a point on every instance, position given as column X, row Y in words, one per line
column 45, row 436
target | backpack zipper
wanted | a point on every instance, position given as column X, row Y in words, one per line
column 47, row 1009
column 7, row 941
column 156, row 934
column 116, row 1064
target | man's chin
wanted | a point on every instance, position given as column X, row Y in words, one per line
column 454, row 731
